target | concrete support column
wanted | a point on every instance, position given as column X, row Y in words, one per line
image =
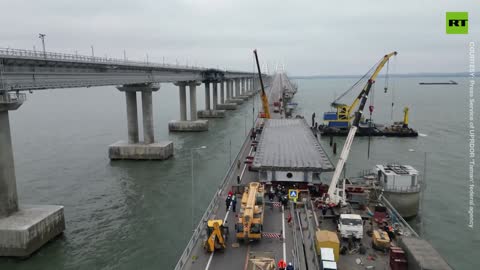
column 8, row 185
column 222, row 92
column 237, row 87
column 244, row 85
column 240, row 87
column 207, row 96
column 215, row 96
column 147, row 112
column 193, row 101
column 183, row 101
column 232, row 91
column 229, row 89
column 132, row 116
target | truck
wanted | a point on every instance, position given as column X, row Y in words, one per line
column 350, row 225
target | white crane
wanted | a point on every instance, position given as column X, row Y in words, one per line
column 334, row 192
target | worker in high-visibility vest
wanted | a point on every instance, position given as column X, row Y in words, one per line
column 282, row 264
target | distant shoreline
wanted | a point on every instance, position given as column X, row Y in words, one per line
column 412, row 75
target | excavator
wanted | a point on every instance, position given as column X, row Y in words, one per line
column 266, row 108
column 216, row 235
column 335, row 195
column 250, row 222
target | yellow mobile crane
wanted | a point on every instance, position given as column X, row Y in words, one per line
column 344, row 114
column 266, row 108
column 250, row 220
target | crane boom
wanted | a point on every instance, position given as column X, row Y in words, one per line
column 266, row 109
column 362, row 98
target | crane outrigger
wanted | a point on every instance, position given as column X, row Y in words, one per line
column 333, row 194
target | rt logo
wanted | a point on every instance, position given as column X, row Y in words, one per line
column 457, row 23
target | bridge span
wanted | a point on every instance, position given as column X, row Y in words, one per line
column 25, row 228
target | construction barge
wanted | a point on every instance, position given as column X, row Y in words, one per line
column 287, row 217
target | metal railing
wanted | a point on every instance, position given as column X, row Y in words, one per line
column 414, row 189
column 9, row 98
column 295, row 250
column 312, row 233
column 8, row 52
column 396, row 216
column 54, row 56
column 215, row 200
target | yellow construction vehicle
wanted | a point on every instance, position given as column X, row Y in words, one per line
column 380, row 240
column 266, row 108
column 216, row 235
column 250, row 221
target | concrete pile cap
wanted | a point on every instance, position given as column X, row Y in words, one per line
column 424, row 254
column 289, row 144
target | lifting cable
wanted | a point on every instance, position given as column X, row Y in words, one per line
column 393, row 91
column 370, row 108
column 357, row 83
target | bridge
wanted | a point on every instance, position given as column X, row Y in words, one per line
column 23, row 229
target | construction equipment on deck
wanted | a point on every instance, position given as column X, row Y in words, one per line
column 336, row 195
column 266, row 109
column 261, row 260
column 250, row 220
column 380, row 240
column 216, row 235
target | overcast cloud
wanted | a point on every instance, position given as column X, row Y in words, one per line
column 309, row 37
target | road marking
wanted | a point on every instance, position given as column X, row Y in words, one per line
column 283, row 235
column 209, row 261
column 247, row 257
column 226, row 216
column 245, row 166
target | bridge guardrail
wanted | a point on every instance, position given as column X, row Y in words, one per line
column 8, row 52
column 40, row 55
column 12, row 98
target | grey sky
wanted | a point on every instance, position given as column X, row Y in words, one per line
column 310, row 37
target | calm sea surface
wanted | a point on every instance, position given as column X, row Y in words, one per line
column 137, row 215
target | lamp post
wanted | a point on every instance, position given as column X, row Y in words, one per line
column 193, row 202
column 42, row 37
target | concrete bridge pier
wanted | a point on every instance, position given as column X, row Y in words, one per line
column 23, row 228
column 240, row 89
column 248, row 87
column 134, row 149
column 183, row 124
column 233, row 97
column 208, row 112
column 225, row 97
column 222, row 92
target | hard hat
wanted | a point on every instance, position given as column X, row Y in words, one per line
column 290, row 263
